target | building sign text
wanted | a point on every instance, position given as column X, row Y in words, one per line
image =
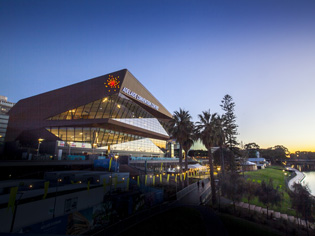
column 139, row 98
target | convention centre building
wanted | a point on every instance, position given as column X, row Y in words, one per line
column 113, row 113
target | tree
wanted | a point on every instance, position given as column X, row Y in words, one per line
column 205, row 130
column 220, row 137
column 232, row 186
column 251, row 149
column 186, row 146
column 228, row 156
column 268, row 195
column 250, row 189
column 280, row 153
column 180, row 128
column 253, row 146
column 302, row 201
column 276, row 154
column 229, row 118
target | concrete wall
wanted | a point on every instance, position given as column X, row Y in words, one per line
column 38, row 211
column 42, row 210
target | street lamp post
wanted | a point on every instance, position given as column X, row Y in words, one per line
column 219, row 184
column 40, row 140
column 285, row 178
column 176, row 177
column 116, row 158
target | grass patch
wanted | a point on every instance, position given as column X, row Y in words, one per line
column 277, row 175
column 177, row 221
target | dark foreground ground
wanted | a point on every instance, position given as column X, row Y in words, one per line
column 199, row 220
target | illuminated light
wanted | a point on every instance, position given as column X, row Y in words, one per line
column 105, row 99
column 80, row 182
column 118, row 106
column 112, row 83
column 31, row 186
column 81, row 133
column 59, row 180
column 97, row 180
column 133, row 177
column 123, row 178
column 157, row 175
column 40, row 140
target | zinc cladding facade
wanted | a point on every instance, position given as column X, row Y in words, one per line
column 113, row 110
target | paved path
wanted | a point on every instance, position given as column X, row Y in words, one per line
column 297, row 179
column 197, row 194
column 274, row 214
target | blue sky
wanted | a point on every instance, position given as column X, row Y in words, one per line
column 189, row 54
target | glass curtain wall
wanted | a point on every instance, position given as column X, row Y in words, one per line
column 103, row 137
column 117, row 107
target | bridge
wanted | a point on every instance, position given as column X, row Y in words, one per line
column 301, row 161
column 302, row 164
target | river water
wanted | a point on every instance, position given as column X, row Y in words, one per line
column 310, row 181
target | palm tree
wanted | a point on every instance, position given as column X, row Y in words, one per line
column 186, row 146
column 180, row 128
column 205, row 128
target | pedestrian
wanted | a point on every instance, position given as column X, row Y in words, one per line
column 202, row 184
column 198, row 184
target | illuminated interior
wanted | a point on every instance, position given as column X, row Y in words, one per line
column 117, row 107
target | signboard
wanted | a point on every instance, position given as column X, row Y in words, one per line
column 74, row 144
column 139, row 98
column 71, row 205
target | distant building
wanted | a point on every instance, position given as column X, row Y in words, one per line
column 249, row 166
column 5, row 107
column 260, row 162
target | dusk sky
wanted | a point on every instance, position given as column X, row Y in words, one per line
column 188, row 54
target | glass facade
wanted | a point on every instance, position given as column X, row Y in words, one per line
column 142, row 145
column 117, row 107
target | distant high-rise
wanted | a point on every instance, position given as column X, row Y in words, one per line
column 5, row 106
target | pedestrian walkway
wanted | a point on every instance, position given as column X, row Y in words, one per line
column 297, row 179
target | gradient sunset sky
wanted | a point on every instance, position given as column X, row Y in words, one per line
column 188, row 54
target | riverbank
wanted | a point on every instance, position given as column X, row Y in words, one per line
column 297, row 179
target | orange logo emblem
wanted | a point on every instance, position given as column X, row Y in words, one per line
column 112, row 83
